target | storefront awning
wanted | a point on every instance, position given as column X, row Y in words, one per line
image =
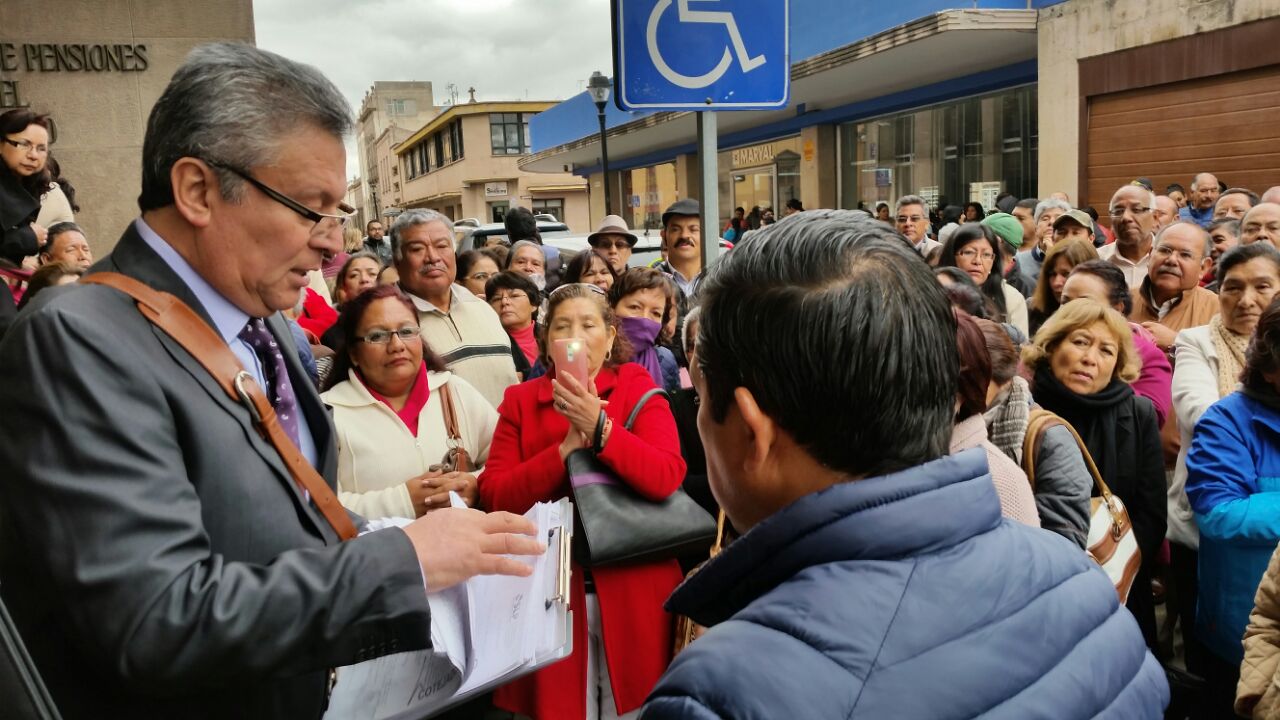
column 836, row 86
column 582, row 187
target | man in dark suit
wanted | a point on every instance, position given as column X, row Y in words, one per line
column 155, row 553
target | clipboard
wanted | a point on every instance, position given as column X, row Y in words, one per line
column 559, row 542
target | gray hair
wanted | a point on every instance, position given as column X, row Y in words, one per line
column 234, row 104
column 689, row 336
column 1208, row 239
column 1151, row 195
column 412, row 218
column 906, row 200
column 1046, row 205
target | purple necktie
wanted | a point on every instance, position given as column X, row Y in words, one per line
column 279, row 389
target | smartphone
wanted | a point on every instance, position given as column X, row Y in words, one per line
column 570, row 357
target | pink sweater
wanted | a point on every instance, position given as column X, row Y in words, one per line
column 1016, row 500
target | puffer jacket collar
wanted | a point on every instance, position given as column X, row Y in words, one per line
column 926, row 508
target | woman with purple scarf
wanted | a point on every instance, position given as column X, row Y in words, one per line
column 645, row 301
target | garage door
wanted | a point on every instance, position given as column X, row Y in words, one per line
column 1224, row 124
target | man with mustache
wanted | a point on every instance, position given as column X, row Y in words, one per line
column 458, row 326
column 1171, row 300
column 1204, row 195
column 682, row 237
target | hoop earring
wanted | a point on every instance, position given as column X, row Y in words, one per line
column 608, row 355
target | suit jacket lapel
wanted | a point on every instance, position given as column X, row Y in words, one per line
column 133, row 257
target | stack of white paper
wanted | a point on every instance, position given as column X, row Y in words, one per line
column 484, row 633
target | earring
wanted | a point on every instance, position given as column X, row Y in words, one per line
column 608, row 355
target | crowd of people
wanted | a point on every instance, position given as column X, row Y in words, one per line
column 908, row 420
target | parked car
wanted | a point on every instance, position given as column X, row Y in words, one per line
column 648, row 247
column 473, row 238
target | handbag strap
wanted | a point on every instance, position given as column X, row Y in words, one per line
column 462, row 457
column 1041, row 420
column 635, row 411
column 189, row 330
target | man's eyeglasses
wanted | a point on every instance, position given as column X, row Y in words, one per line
column 1118, row 212
column 324, row 222
column 381, row 337
column 607, row 245
column 903, row 219
column 27, row 146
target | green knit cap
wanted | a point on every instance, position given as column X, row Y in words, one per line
column 1006, row 226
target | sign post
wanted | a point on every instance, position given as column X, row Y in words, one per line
column 704, row 56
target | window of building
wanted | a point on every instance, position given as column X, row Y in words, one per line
column 949, row 154
column 455, row 140
column 509, row 133
column 437, row 143
column 498, row 210
column 550, row 206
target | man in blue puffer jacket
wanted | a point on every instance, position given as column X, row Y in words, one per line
column 875, row 577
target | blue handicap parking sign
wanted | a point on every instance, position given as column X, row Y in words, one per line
column 702, row 54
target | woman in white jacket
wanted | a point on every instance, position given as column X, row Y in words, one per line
column 1209, row 360
column 390, row 397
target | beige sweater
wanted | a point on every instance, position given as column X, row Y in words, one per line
column 1016, row 500
column 376, row 453
column 471, row 341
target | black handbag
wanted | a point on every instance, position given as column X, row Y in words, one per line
column 616, row 525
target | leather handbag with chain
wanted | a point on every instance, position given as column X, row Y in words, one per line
column 189, row 330
column 616, row 525
column 1111, row 541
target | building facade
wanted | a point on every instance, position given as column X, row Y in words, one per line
column 464, row 163
column 97, row 68
column 959, row 105
column 401, row 104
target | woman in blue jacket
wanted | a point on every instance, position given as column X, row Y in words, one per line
column 1233, row 483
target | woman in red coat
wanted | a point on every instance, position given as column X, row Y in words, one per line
column 621, row 635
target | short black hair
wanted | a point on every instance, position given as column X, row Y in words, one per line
column 1242, row 254
column 1113, row 277
column 1263, row 357
column 843, row 336
column 1174, row 187
column 57, row 229
column 1028, row 204
column 512, row 280
column 521, row 225
column 795, row 204
column 581, row 263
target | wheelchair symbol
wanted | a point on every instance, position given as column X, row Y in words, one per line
column 693, row 82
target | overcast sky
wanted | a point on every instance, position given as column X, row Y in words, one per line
column 505, row 49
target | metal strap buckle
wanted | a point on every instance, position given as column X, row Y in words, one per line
column 245, row 398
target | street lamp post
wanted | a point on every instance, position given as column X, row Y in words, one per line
column 599, row 87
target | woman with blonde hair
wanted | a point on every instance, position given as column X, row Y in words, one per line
column 1061, row 259
column 1083, row 361
column 352, row 243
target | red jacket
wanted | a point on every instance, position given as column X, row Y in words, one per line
column 524, row 468
column 317, row 315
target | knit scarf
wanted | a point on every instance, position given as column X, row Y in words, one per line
column 1007, row 418
column 1095, row 417
column 1231, row 349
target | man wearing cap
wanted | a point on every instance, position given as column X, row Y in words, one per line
column 1009, row 229
column 682, row 237
column 1073, row 225
column 1134, row 225
column 614, row 240
column 1204, row 195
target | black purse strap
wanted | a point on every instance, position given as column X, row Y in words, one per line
column 635, row 412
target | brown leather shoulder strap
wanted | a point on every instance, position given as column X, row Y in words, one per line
column 181, row 323
column 450, row 414
column 1038, row 422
